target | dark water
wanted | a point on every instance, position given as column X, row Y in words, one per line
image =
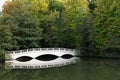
column 85, row 69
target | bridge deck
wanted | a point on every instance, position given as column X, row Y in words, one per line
column 39, row 52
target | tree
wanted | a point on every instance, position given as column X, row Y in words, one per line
column 39, row 6
column 5, row 36
column 26, row 33
column 75, row 10
column 86, row 33
column 49, row 29
column 76, row 24
column 55, row 5
column 107, row 27
column 51, row 24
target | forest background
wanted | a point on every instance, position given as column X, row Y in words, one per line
column 89, row 26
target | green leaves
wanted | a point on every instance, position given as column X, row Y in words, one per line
column 107, row 24
column 25, row 28
column 54, row 23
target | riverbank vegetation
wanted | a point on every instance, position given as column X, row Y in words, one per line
column 91, row 26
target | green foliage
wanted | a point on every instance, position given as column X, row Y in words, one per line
column 26, row 32
column 74, row 11
column 39, row 6
column 107, row 27
column 92, row 27
column 5, row 36
column 49, row 29
column 85, row 36
column 55, row 5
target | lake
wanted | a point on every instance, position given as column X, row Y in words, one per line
column 84, row 69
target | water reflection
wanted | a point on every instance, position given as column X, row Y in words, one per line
column 85, row 69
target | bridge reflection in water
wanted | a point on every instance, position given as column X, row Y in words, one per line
column 41, row 58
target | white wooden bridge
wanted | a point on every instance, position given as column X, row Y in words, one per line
column 41, row 58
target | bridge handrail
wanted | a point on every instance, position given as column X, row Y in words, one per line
column 41, row 49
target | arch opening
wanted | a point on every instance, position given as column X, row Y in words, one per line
column 67, row 56
column 24, row 58
column 46, row 57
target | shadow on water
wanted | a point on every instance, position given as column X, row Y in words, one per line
column 85, row 69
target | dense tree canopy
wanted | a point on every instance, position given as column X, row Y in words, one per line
column 107, row 26
column 26, row 32
column 91, row 26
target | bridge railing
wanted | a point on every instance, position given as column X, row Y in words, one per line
column 41, row 49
